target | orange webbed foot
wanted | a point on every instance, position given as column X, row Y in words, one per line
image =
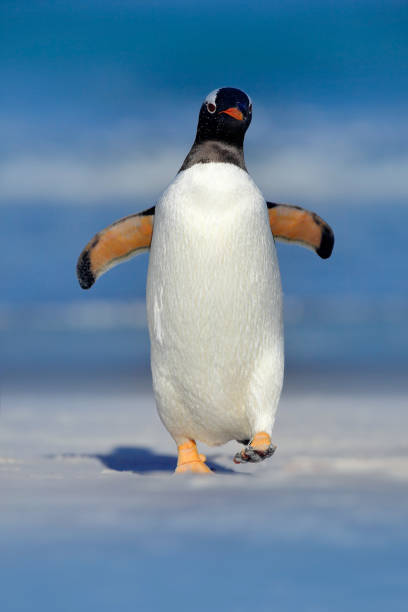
column 189, row 460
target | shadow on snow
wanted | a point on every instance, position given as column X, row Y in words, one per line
column 141, row 460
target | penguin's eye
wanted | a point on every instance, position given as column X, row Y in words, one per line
column 211, row 107
column 250, row 108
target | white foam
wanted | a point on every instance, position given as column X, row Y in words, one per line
column 318, row 162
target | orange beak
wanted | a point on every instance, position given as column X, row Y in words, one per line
column 233, row 112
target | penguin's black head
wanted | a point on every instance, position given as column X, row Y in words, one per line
column 225, row 116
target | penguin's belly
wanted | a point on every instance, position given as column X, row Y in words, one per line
column 214, row 306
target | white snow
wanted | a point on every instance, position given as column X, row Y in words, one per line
column 87, row 453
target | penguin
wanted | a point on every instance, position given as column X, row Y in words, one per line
column 214, row 296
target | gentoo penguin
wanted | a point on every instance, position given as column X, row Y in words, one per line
column 214, row 298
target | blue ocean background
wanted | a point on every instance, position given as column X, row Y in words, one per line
column 347, row 312
column 98, row 110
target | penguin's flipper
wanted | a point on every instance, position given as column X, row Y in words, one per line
column 294, row 224
column 113, row 245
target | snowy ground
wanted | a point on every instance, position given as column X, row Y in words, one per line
column 92, row 517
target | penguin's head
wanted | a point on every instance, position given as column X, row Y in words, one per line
column 225, row 116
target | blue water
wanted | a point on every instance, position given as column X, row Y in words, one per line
column 347, row 311
column 107, row 58
column 42, row 243
column 80, row 73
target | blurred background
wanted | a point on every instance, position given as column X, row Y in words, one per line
column 99, row 108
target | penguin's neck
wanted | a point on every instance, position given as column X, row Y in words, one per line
column 214, row 151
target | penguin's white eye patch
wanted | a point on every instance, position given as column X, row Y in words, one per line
column 211, row 107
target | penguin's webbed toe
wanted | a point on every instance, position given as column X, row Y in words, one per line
column 190, row 460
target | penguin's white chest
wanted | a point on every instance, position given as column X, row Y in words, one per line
column 214, row 307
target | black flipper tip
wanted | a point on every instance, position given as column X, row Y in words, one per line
column 84, row 273
column 327, row 243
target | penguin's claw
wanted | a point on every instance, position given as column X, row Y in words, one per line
column 249, row 455
column 260, row 448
